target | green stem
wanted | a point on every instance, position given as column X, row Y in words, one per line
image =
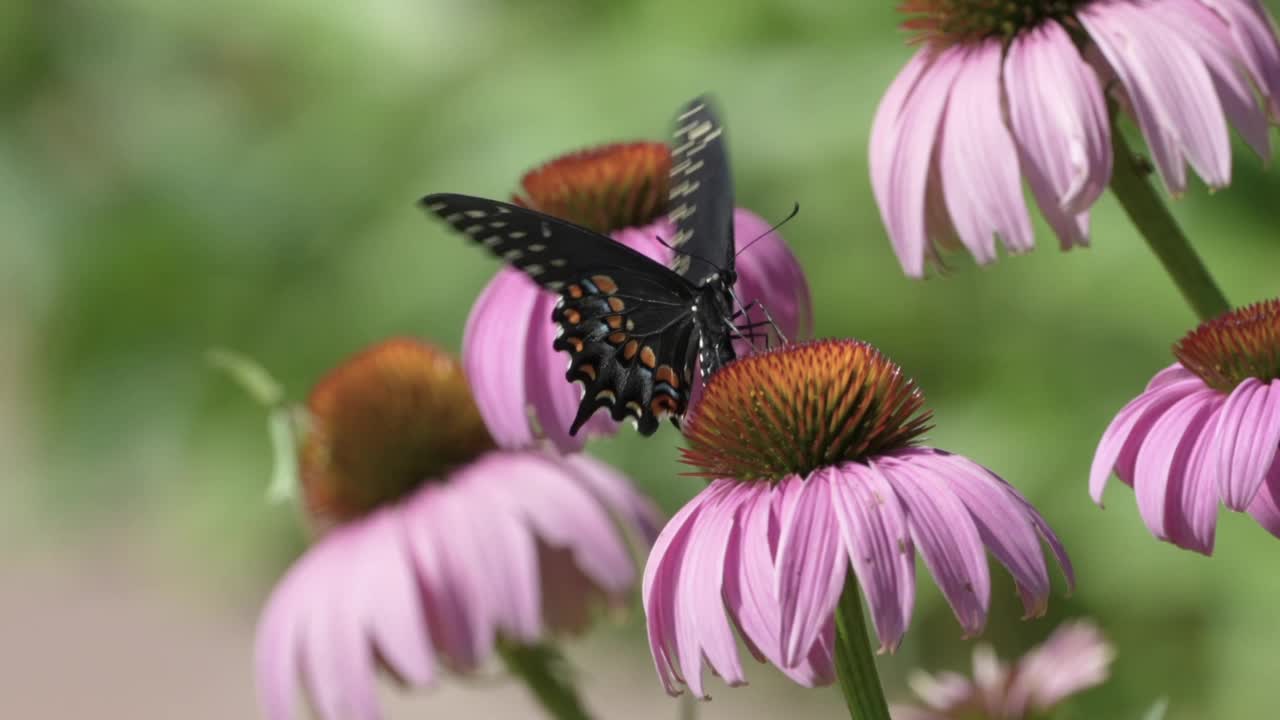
column 544, row 670
column 1144, row 207
column 855, row 664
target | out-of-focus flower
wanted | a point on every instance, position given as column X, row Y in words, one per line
column 1001, row 92
column 1206, row 429
column 619, row 190
column 436, row 544
column 811, row 450
column 1075, row 658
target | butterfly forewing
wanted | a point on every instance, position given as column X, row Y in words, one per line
column 625, row 320
column 701, row 196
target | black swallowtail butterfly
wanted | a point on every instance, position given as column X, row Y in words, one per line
column 633, row 328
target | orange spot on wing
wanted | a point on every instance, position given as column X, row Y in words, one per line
column 667, row 375
column 614, row 321
column 630, row 349
column 616, row 304
column 573, row 316
column 617, row 338
column 663, row 405
column 575, row 291
column 605, row 284
column 576, row 343
column 588, row 370
column 647, row 357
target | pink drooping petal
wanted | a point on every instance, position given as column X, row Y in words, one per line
column 661, row 578
column 1247, row 440
column 563, row 513
column 337, row 663
column 1119, row 446
column 878, row 543
column 944, row 531
column 1174, row 373
column 1165, row 462
column 811, row 565
column 1265, row 507
column 981, row 181
column 276, row 644
column 768, row 272
column 1064, row 137
column 702, row 629
column 750, row 579
column 384, row 595
column 990, row 676
column 1002, row 524
column 1254, row 37
column 1196, row 499
column 749, row 575
column 551, row 398
column 474, row 604
column 1208, row 32
column 505, row 553
column 944, row 691
column 633, row 509
column 495, row 348
column 352, row 598
column 902, row 146
column 1075, row 657
column 1171, row 91
column 455, row 607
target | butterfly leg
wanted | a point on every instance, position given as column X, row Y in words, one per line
column 768, row 319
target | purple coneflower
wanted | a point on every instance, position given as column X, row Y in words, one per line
column 436, row 544
column 1206, row 429
column 619, row 190
column 811, row 450
column 1076, row 657
column 999, row 92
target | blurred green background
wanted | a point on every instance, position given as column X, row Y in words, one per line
column 176, row 176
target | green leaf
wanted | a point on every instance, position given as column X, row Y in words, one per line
column 248, row 374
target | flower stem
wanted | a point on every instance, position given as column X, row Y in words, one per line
column 855, row 664
column 544, row 670
column 1144, row 207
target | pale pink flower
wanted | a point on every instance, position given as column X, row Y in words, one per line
column 436, row 543
column 621, row 189
column 1075, row 658
column 815, row 473
column 1001, row 93
column 1205, row 430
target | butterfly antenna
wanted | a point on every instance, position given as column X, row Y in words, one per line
column 794, row 211
column 680, row 251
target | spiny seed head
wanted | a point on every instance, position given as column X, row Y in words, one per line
column 389, row 419
column 605, row 188
column 1244, row 343
column 801, row 407
column 948, row 22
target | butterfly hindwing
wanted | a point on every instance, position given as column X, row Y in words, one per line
column 701, row 196
column 629, row 354
column 625, row 320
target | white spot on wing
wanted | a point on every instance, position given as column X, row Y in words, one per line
column 475, row 213
column 533, row 247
